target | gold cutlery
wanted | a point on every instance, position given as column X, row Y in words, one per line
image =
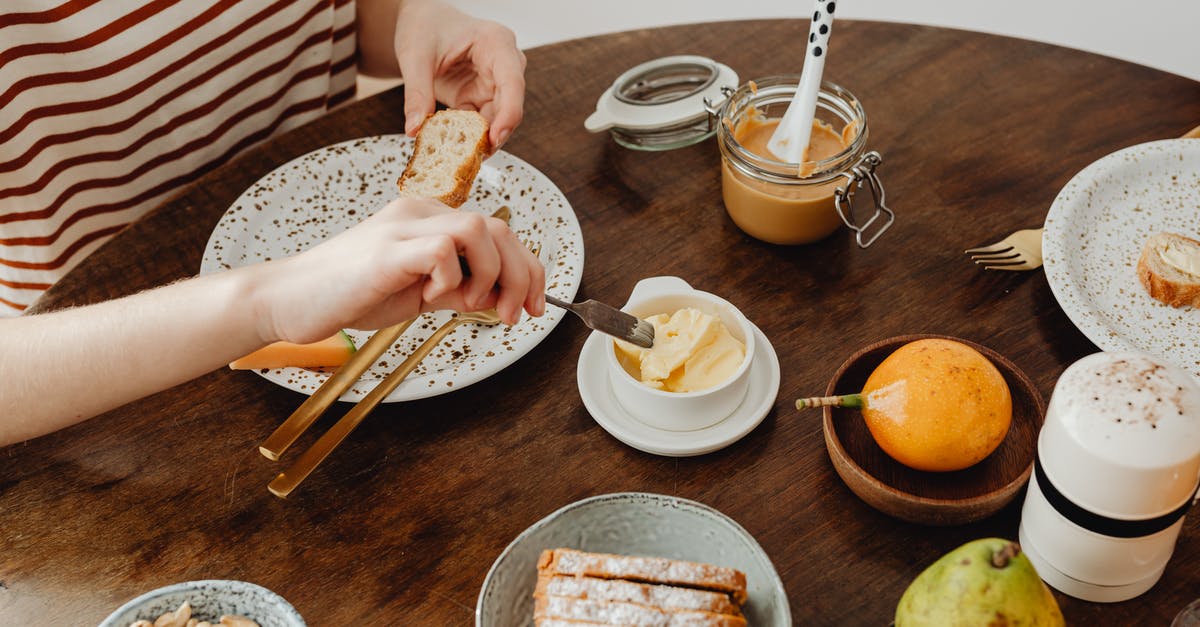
column 287, row 481
column 340, row 381
column 337, row 384
column 1022, row 250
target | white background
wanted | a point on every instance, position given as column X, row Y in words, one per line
column 1163, row 34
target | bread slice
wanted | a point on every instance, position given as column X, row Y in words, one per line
column 449, row 149
column 654, row 595
column 1158, row 269
column 655, row 570
column 617, row 613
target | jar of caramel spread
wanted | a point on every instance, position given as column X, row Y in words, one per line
column 797, row 203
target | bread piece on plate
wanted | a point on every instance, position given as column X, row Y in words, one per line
column 657, row 570
column 449, row 149
column 617, row 613
column 654, row 595
column 1169, row 269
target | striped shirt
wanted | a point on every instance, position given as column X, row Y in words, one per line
column 109, row 106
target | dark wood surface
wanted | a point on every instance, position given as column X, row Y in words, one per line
column 400, row 525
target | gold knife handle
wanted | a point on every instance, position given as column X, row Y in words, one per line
column 310, row 459
column 333, row 388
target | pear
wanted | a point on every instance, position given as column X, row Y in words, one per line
column 983, row 582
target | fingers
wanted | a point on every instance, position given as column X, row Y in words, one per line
column 469, row 64
column 515, row 277
column 535, row 300
column 482, row 257
column 507, row 64
column 472, row 238
column 404, row 259
column 435, row 256
column 417, row 60
column 503, row 272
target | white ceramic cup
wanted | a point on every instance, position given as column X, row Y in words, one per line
column 1118, row 465
column 681, row 411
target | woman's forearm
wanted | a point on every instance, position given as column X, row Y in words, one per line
column 59, row 368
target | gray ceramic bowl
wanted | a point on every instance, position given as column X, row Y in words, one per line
column 209, row 600
column 632, row 523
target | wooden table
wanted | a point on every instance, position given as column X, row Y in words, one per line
column 400, row 525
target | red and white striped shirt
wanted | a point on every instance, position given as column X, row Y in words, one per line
column 108, row 106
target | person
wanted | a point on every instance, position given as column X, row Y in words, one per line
column 106, row 108
column 59, row 368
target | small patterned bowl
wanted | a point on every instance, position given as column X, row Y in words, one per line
column 209, row 600
column 632, row 523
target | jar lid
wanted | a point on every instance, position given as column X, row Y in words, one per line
column 663, row 103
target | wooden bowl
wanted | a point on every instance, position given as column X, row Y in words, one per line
column 931, row 498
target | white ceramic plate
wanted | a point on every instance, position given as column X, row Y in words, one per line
column 1094, row 235
column 325, row 192
column 210, row 599
column 632, row 523
column 600, row 401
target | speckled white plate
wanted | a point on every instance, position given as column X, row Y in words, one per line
column 210, row 599
column 632, row 523
column 1094, row 235
column 325, row 192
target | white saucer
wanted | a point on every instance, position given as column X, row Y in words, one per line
column 603, row 406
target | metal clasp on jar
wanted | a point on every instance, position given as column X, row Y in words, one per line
column 843, row 200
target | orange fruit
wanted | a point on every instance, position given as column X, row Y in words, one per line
column 937, row 405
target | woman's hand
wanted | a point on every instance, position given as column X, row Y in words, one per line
column 465, row 62
column 401, row 261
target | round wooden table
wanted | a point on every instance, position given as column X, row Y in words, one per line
column 400, row 525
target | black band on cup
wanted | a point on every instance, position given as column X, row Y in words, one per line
column 1103, row 525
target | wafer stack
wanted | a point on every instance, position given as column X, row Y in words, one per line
column 578, row 588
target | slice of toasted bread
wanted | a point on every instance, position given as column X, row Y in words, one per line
column 656, row 570
column 654, row 595
column 449, row 149
column 1169, row 269
column 617, row 613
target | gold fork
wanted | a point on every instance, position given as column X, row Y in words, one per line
column 1022, row 250
column 287, row 480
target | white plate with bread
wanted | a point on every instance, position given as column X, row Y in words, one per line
column 633, row 558
column 1117, row 253
column 325, row 192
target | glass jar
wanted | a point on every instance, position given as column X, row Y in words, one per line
column 664, row 103
column 790, row 203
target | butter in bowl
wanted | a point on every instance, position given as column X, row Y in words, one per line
column 711, row 377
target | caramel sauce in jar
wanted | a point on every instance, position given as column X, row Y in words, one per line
column 776, row 201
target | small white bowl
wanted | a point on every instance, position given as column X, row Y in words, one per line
column 681, row 411
column 210, row 599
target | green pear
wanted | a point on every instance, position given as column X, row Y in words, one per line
column 983, row 582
